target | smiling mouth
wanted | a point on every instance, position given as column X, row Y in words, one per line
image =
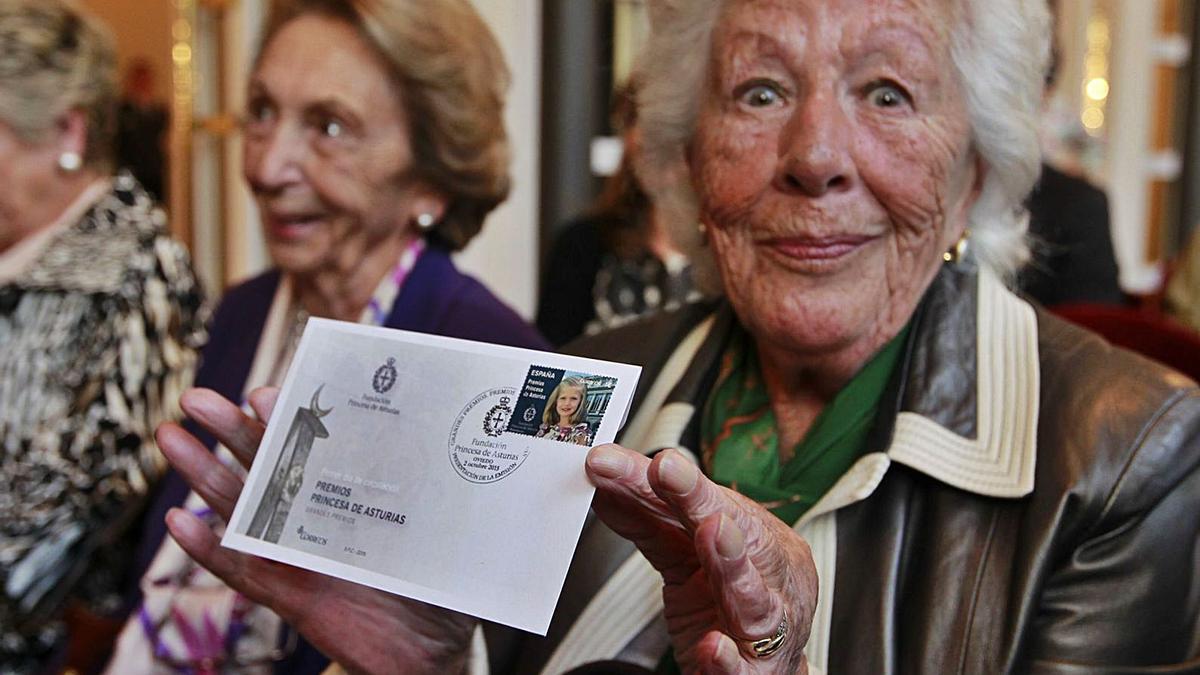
column 290, row 226
column 817, row 250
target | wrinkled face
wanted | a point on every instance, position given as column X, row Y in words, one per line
column 327, row 151
column 833, row 165
column 27, row 173
column 568, row 402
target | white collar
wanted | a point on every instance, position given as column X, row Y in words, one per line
column 999, row 461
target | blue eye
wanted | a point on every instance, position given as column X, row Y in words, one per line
column 886, row 95
column 760, row 96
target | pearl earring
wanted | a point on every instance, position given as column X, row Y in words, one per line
column 70, row 162
column 425, row 221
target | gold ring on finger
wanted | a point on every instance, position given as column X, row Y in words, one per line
column 767, row 646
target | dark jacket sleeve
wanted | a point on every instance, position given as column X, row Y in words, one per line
column 565, row 304
column 1073, row 258
column 475, row 314
column 440, row 300
column 1126, row 599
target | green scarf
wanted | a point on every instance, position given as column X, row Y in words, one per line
column 741, row 447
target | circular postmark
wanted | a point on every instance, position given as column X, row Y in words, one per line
column 477, row 452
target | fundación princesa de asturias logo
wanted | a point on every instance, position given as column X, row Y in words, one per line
column 385, row 377
column 496, row 419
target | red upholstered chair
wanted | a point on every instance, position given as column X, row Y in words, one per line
column 1147, row 333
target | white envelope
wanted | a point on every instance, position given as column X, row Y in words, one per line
column 426, row 466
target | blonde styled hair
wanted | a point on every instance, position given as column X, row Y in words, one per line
column 54, row 58
column 550, row 415
column 453, row 82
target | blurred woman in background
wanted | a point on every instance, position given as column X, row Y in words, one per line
column 100, row 316
column 616, row 262
column 374, row 147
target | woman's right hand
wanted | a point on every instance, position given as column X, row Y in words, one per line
column 361, row 628
column 739, row 585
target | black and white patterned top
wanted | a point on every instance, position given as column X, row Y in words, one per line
column 99, row 338
column 589, row 287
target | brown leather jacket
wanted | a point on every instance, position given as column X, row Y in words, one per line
column 1030, row 504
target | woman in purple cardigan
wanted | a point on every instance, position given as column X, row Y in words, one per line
column 373, row 149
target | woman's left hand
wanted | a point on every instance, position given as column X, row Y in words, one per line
column 365, row 630
column 732, row 572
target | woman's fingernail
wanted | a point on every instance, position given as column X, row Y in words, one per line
column 726, row 650
column 677, row 474
column 730, row 542
column 181, row 522
column 608, row 462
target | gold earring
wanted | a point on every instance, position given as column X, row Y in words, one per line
column 959, row 250
column 703, row 230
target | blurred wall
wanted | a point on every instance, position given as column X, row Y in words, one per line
column 505, row 255
column 142, row 29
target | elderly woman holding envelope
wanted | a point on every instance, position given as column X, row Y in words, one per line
column 879, row 458
column 374, row 147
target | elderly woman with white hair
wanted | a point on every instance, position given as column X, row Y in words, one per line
column 897, row 464
column 99, row 323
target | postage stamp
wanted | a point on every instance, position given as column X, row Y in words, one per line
column 562, row 405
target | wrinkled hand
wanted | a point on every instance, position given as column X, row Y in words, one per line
column 363, row 629
column 729, row 567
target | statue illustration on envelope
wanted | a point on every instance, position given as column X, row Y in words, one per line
column 288, row 474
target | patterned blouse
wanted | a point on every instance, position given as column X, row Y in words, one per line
column 99, row 339
column 578, row 434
